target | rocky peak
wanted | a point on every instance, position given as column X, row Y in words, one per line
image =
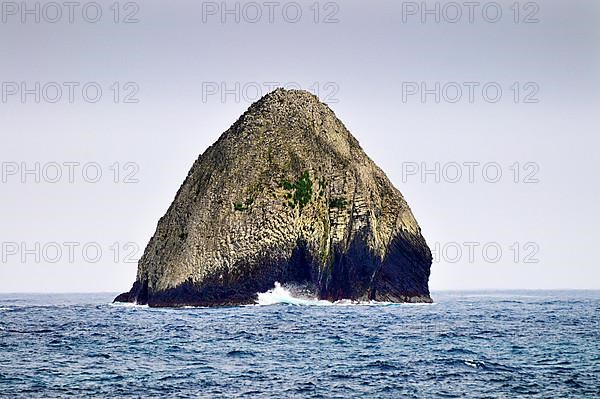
column 286, row 194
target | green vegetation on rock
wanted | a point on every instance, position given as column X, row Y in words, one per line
column 300, row 191
column 242, row 207
column 339, row 203
column 238, row 206
column 322, row 187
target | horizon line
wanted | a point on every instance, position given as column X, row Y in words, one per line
column 431, row 291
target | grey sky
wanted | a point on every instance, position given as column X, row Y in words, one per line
column 171, row 58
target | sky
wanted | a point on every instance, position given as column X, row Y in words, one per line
column 485, row 116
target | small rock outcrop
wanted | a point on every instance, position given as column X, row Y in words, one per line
column 285, row 195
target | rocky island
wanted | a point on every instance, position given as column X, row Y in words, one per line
column 285, row 195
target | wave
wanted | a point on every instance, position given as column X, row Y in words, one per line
column 128, row 305
column 280, row 295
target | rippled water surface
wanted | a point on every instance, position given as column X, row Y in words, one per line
column 483, row 344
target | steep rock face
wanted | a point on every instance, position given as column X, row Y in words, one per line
column 286, row 194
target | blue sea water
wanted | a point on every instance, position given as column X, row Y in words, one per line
column 542, row 344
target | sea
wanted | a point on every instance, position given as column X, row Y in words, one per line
column 492, row 344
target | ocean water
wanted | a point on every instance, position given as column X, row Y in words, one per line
column 541, row 344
